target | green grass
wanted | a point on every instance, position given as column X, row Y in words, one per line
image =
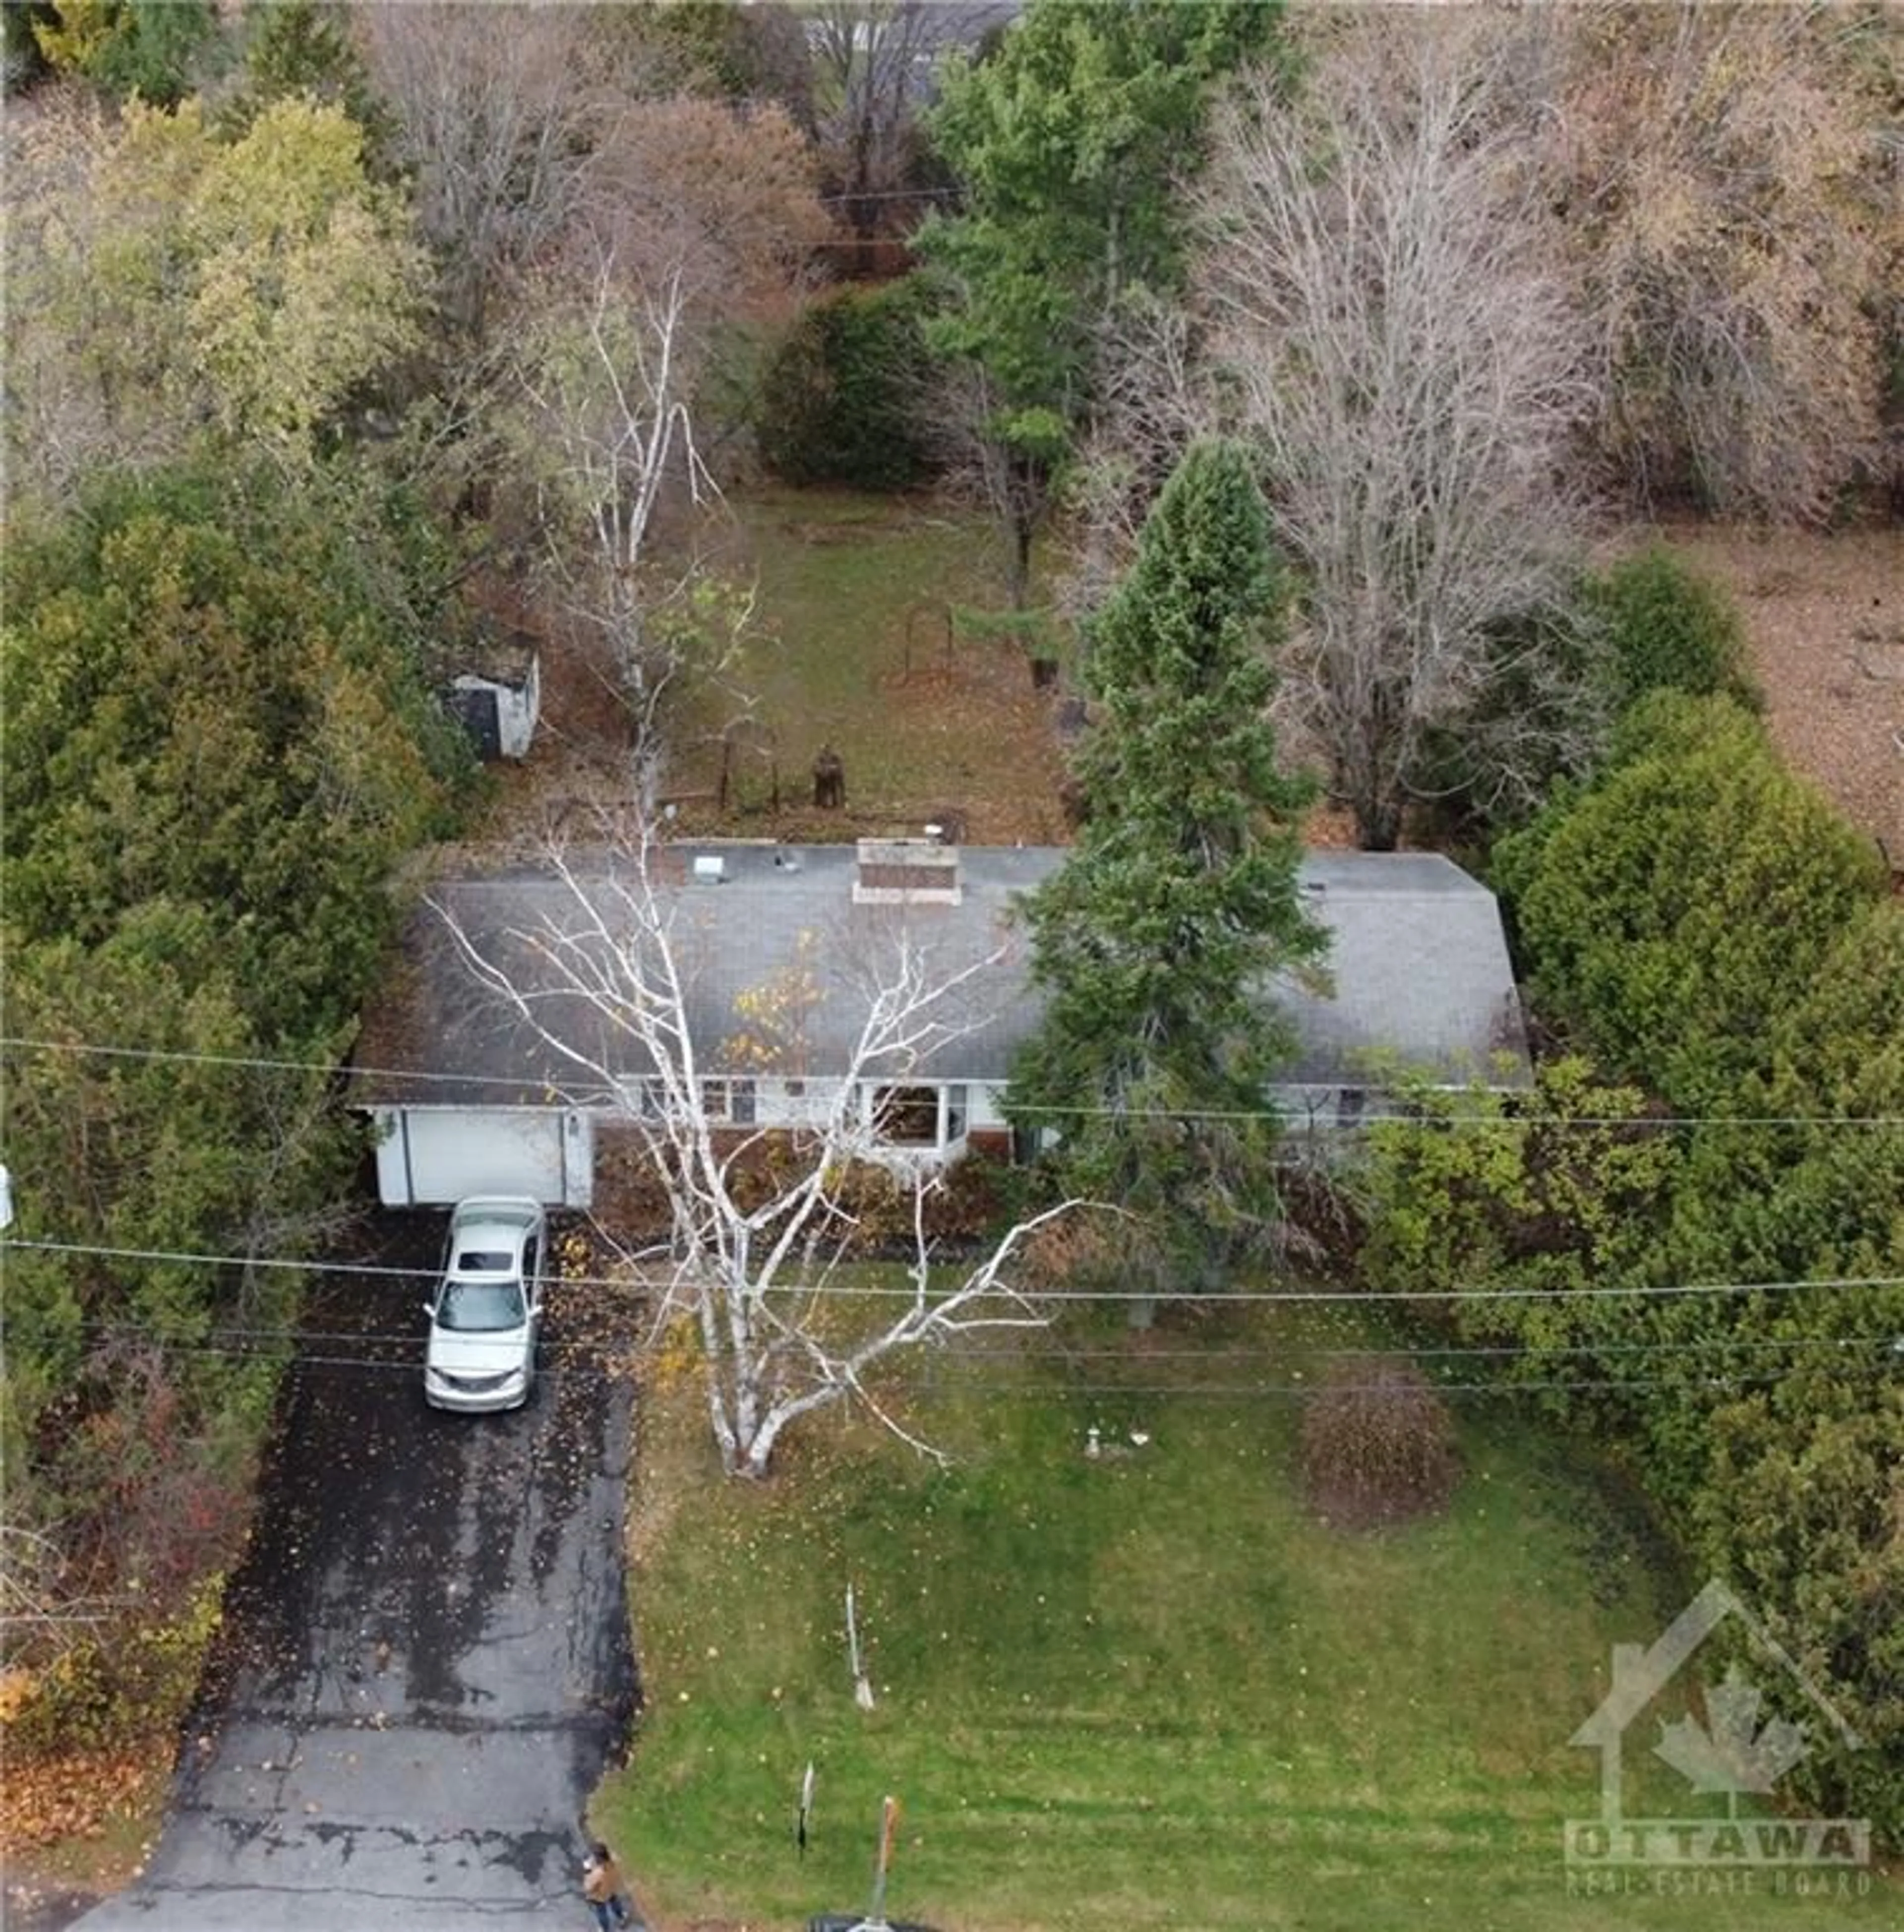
column 1146, row 1691
column 852, row 595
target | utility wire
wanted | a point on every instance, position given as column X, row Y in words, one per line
column 995, row 1388
column 891, row 194
column 1302, row 1391
column 221, row 1333
column 847, row 1291
column 601, row 1362
column 259, row 1063
column 597, row 1357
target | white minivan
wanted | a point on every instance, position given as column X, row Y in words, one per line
column 484, row 1313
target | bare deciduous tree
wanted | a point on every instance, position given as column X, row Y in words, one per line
column 1151, row 360
column 608, row 380
column 695, row 216
column 728, row 193
column 1012, row 471
column 872, row 63
column 1734, row 230
column 82, row 364
column 44, row 1611
column 1408, row 373
column 606, row 987
column 499, row 115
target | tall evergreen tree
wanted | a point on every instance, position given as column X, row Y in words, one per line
column 220, row 747
column 1072, row 142
column 306, row 49
column 1156, row 947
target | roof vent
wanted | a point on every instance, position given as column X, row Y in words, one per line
column 709, row 869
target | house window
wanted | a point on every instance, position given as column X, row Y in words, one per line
column 958, row 1108
column 1349, row 1104
column 907, row 1116
column 729, row 1100
column 645, row 1098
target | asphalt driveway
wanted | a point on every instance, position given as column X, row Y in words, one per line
column 427, row 1664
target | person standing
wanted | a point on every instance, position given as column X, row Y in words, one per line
column 603, row 1888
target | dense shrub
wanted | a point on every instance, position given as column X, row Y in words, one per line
column 1801, row 1504
column 1540, row 717
column 1378, row 1446
column 153, row 52
column 842, row 399
column 105, row 1693
column 1763, row 1424
column 1678, row 907
column 222, row 746
column 1701, row 915
column 1667, row 628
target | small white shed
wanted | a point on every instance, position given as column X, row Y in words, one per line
column 498, row 699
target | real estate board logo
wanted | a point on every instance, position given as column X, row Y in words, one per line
column 1737, row 1750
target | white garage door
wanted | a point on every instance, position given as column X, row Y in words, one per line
column 429, row 1156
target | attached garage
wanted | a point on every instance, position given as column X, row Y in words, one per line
column 430, row 1156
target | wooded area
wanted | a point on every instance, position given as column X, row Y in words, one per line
column 1296, row 353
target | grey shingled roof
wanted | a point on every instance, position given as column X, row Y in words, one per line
column 1420, row 964
column 1418, row 961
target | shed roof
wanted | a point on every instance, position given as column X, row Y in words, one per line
column 1417, row 958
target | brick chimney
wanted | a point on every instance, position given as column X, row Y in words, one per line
column 906, row 871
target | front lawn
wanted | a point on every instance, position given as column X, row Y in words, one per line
column 1147, row 1690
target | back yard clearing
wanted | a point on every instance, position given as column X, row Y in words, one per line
column 855, row 597
column 853, row 649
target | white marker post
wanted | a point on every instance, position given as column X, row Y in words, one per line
column 862, row 1690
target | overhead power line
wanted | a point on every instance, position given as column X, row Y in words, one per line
column 220, row 1334
column 1020, row 1386
column 596, row 1358
column 256, row 1063
column 1303, row 1391
column 875, row 1291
